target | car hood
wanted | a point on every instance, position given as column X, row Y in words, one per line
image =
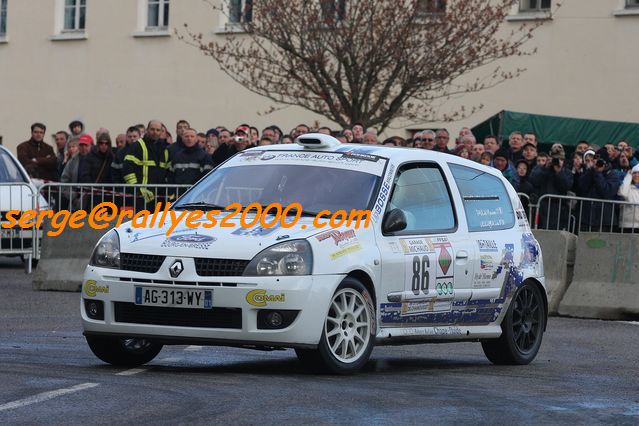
column 227, row 243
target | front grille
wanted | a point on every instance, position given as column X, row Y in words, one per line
column 179, row 317
column 206, row 267
column 149, row 263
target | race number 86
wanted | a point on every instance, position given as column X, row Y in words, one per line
column 421, row 275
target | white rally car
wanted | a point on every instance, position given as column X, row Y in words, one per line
column 448, row 256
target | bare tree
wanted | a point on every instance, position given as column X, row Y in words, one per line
column 368, row 61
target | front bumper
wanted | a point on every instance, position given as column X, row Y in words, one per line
column 309, row 295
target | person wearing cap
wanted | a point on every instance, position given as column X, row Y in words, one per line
column 501, row 163
column 99, row 160
column 147, row 161
column 629, row 191
column 76, row 169
column 241, row 140
column 601, row 182
column 191, row 162
column 552, row 178
column 37, row 157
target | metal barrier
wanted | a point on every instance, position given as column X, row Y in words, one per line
column 85, row 196
column 575, row 214
column 16, row 241
column 528, row 207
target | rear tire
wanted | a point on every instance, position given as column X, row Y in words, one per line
column 348, row 334
column 522, row 329
column 123, row 352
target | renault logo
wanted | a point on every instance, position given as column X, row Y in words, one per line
column 176, row 269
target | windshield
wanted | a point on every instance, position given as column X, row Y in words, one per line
column 9, row 172
column 315, row 187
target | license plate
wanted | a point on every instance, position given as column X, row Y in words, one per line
column 174, row 297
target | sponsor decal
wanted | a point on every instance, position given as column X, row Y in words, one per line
column 443, row 250
column 434, row 305
column 256, row 231
column 448, row 331
column 91, row 288
column 486, row 262
column 196, row 241
column 262, row 298
column 445, row 288
column 340, row 238
column 250, row 155
column 394, row 247
column 345, row 251
column 487, row 245
column 360, row 156
column 416, row 245
column 530, row 250
column 267, row 157
column 482, row 279
column 383, row 193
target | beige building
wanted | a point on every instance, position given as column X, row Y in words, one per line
column 113, row 63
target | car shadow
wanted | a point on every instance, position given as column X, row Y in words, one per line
column 292, row 367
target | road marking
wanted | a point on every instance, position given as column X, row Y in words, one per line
column 193, row 348
column 131, row 372
column 45, row 396
column 631, row 322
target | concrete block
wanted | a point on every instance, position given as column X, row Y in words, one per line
column 64, row 257
column 605, row 284
column 558, row 249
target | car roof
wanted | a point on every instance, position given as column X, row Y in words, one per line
column 396, row 154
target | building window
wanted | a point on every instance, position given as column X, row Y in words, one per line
column 333, row 10
column 240, row 11
column 3, row 17
column 158, row 14
column 534, row 5
column 431, row 7
column 632, row 3
column 74, row 15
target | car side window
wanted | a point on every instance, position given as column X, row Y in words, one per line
column 420, row 191
column 486, row 201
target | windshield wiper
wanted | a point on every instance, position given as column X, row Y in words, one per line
column 199, row 205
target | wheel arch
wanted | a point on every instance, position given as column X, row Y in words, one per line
column 542, row 290
column 367, row 281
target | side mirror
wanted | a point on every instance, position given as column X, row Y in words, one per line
column 394, row 220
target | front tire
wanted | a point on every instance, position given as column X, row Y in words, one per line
column 348, row 336
column 522, row 329
column 123, row 352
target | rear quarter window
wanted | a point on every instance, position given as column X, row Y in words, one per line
column 485, row 199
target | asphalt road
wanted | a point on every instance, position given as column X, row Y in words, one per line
column 587, row 372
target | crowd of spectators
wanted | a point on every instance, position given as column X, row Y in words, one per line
column 151, row 154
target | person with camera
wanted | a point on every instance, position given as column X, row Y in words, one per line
column 599, row 181
column 552, row 178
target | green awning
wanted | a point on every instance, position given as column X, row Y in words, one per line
column 551, row 129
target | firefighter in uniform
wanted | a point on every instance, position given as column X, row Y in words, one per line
column 147, row 161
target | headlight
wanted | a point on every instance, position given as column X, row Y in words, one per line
column 106, row 253
column 288, row 258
